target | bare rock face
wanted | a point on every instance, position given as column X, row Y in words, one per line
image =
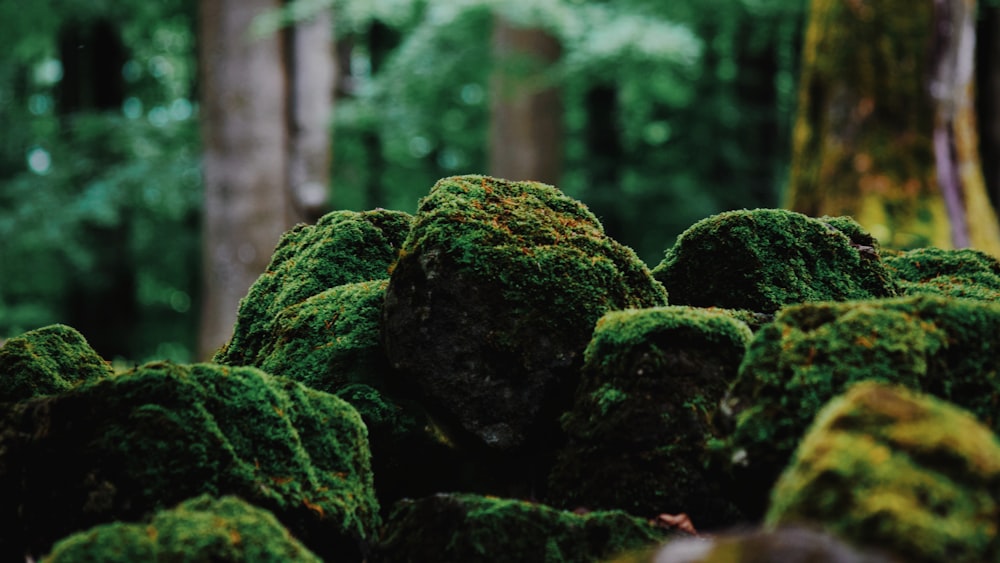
column 494, row 298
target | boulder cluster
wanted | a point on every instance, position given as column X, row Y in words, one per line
column 494, row 378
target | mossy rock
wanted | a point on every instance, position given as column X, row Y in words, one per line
column 328, row 340
column 472, row 528
column 813, row 352
column 124, row 447
column 789, row 544
column 645, row 409
column 46, row 361
column 764, row 259
column 965, row 273
column 899, row 471
column 201, row 529
column 493, row 300
column 342, row 247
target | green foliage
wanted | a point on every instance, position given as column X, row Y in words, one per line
column 462, row 527
column 764, row 259
column 897, row 471
column 88, row 199
column 47, row 360
column 200, row 529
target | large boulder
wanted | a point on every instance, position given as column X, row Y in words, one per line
column 201, row 529
column 342, row 247
column 964, row 272
column 492, row 302
column 47, row 360
column 764, row 259
column 898, row 471
column 644, row 413
column 472, row 529
column 812, row 352
column 124, row 447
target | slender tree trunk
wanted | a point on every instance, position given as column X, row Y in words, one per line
column 311, row 74
column 988, row 98
column 526, row 114
column 886, row 126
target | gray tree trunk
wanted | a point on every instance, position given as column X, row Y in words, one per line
column 264, row 124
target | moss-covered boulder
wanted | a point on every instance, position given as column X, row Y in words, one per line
column 342, row 247
column 645, row 409
column 812, row 352
column 764, row 259
column 471, row 528
column 328, row 340
column 124, row 447
column 899, row 471
column 493, row 300
column 965, row 273
column 47, row 360
column 201, row 529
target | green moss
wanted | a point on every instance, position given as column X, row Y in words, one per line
column 342, row 247
column 812, row 352
column 965, row 273
column 898, row 471
column 328, row 340
column 474, row 528
column 45, row 361
column 494, row 296
column 201, row 529
column 645, row 408
column 764, row 259
column 123, row 447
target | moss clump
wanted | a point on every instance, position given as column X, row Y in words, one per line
column 812, row 352
column 328, row 340
column 126, row 446
column 45, row 361
column 342, row 247
column 201, row 529
column 764, row 259
column 898, row 471
column 494, row 297
column 646, row 405
column 953, row 273
column 474, row 528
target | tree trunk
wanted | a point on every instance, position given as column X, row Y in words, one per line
column 886, row 125
column 526, row 126
column 988, row 98
column 265, row 116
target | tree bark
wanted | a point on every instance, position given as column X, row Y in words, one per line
column 265, row 121
column 526, row 127
column 886, row 125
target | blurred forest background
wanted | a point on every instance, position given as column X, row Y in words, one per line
column 670, row 112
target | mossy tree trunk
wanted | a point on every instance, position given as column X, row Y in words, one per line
column 886, row 128
column 526, row 125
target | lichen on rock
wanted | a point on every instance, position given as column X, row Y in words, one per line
column 342, row 247
column 645, row 410
column 201, row 529
column 124, row 447
column 814, row 351
column 47, row 360
column 765, row 259
column 473, row 529
column 903, row 472
column 493, row 299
